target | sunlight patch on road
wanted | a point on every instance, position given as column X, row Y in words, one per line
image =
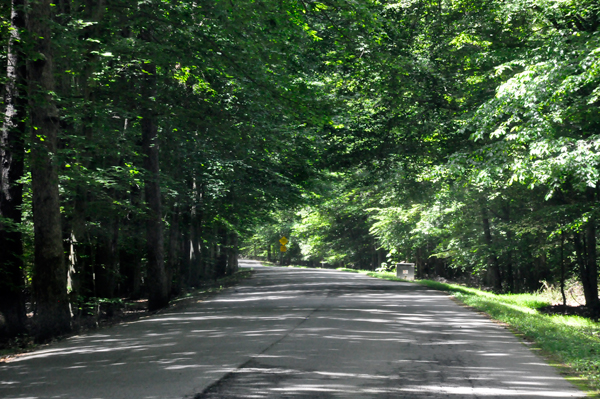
column 86, row 350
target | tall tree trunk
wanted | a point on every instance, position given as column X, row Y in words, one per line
column 49, row 272
column 198, row 270
column 196, row 265
column 232, row 254
column 157, row 279
column 380, row 256
column 494, row 265
column 235, row 251
column 581, row 256
column 12, row 151
column 585, row 250
column 420, row 265
column 186, row 248
column 173, row 255
column 591, row 270
column 220, row 268
column 509, row 278
column 132, row 250
column 269, row 257
column 107, row 259
column 93, row 11
column 562, row 268
column 374, row 257
column 212, row 250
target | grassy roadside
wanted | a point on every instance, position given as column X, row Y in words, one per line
column 570, row 343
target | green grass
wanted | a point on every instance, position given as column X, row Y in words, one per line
column 571, row 341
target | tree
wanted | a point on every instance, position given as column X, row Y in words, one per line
column 12, row 154
column 49, row 272
column 157, row 278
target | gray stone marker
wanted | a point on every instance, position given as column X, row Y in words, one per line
column 405, row 271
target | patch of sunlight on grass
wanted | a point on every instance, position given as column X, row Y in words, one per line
column 533, row 301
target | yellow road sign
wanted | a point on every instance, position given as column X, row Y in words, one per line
column 283, row 241
column 283, row 248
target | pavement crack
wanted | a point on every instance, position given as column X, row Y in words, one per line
column 253, row 358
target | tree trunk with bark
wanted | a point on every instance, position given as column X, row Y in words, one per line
column 132, row 250
column 49, row 272
column 509, row 277
column 232, row 249
column 186, row 247
column 494, row 265
column 269, row 257
column 562, row 268
column 173, row 274
column 196, row 263
column 585, row 250
column 589, row 273
column 156, row 277
column 12, row 152
column 107, row 259
column 75, row 229
column 220, row 257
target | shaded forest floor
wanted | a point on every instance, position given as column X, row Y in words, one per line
column 582, row 311
column 123, row 310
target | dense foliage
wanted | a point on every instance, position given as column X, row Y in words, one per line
column 163, row 135
column 467, row 144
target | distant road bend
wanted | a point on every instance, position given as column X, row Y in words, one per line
column 294, row 333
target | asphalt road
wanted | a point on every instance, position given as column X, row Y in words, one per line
column 294, row 333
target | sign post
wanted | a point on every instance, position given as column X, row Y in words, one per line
column 283, row 241
column 282, row 249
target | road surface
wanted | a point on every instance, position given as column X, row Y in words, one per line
column 294, row 333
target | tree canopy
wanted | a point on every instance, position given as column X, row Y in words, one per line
column 145, row 143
